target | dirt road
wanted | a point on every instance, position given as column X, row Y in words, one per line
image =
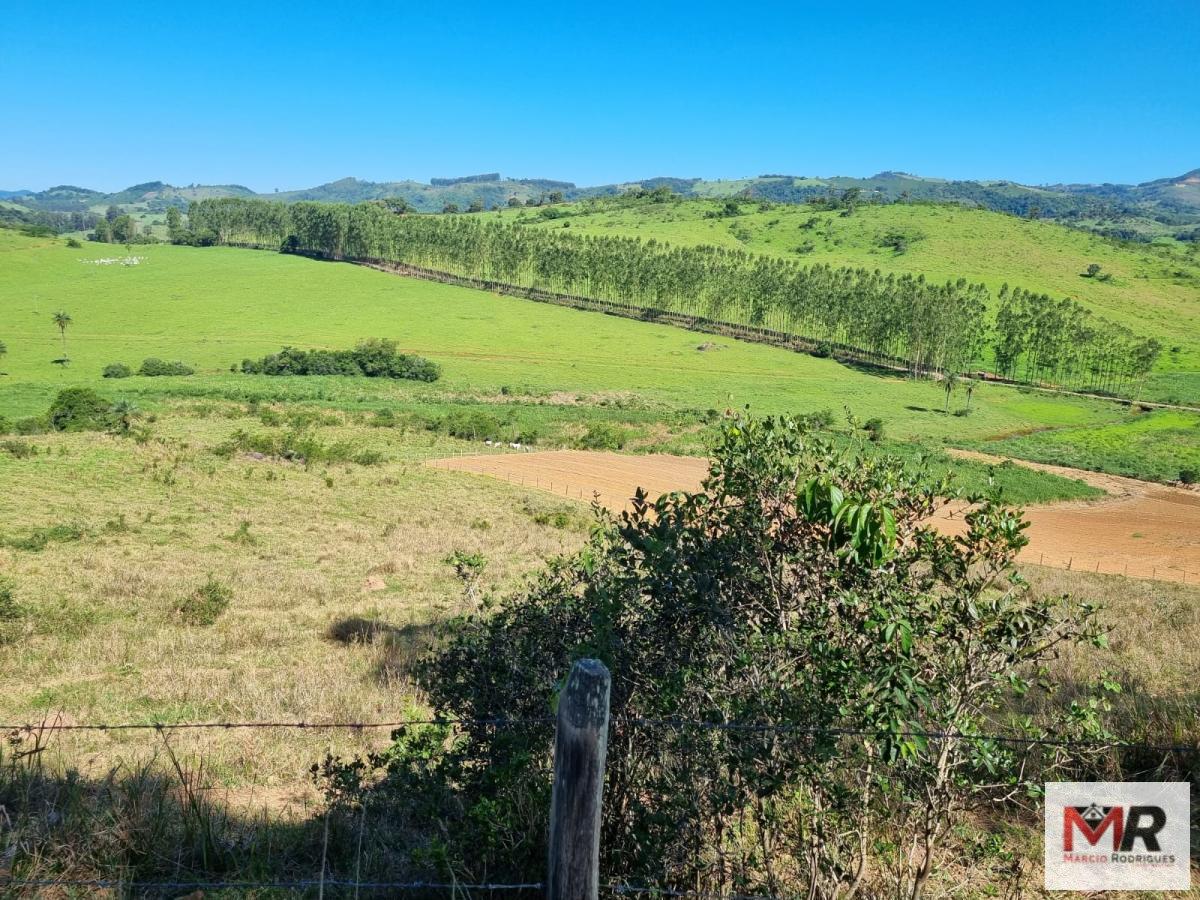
column 1140, row 529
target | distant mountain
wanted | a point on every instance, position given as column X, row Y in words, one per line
column 1166, row 206
column 150, row 196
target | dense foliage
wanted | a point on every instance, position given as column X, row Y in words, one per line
column 154, row 367
column 374, row 358
column 80, row 409
column 801, row 589
column 887, row 317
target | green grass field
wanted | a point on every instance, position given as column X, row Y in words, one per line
column 1160, row 446
column 213, row 307
column 542, row 367
column 1153, row 291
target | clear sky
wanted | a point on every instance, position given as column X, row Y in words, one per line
column 292, row 94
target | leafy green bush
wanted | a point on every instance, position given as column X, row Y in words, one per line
column 602, row 436
column 153, row 367
column 472, row 425
column 5, row 425
column 19, row 449
column 373, row 358
column 297, row 446
column 30, row 425
column 206, row 604
column 874, row 429
column 1188, row 476
column 79, row 409
column 117, row 370
column 803, row 587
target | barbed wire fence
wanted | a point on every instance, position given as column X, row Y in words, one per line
column 580, row 739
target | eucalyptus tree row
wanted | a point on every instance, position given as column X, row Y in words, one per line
column 926, row 325
column 1036, row 338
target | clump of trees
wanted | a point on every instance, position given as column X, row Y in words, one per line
column 801, row 591
column 153, row 367
column 373, row 358
column 882, row 317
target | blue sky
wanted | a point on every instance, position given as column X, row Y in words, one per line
column 287, row 95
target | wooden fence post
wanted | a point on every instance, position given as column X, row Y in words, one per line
column 580, row 743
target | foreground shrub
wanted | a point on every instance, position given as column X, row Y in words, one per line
column 801, row 589
column 374, row 358
column 207, row 603
column 79, row 409
column 154, row 366
column 117, row 370
column 5, row 425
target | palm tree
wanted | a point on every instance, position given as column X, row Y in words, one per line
column 62, row 320
column 969, row 386
column 950, row 382
column 124, row 413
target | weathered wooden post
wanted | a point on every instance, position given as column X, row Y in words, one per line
column 580, row 743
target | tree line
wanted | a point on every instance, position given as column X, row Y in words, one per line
column 926, row 325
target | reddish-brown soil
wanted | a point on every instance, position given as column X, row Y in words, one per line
column 1142, row 530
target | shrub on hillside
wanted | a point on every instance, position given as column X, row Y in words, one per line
column 79, row 409
column 5, row 425
column 472, row 425
column 206, row 603
column 19, row 449
column 602, row 436
column 117, row 370
column 1188, row 476
column 30, row 425
column 153, row 366
column 374, row 358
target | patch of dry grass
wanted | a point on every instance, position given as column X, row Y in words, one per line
column 1151, row 652
column 305, row 554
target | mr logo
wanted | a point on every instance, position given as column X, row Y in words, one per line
column 1117, row 835
column 1139, row 823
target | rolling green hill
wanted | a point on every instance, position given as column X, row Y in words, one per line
column 1153, row 290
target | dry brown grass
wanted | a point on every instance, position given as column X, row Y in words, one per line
column 102, row 640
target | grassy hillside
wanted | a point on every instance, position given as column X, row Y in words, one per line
column 543, row 368
column 1153, row 291
column 215, row 306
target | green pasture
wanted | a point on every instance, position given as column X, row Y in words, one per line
column 537, row 368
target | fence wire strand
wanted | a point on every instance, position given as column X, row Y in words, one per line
column 300, row 884
column 677, row 724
